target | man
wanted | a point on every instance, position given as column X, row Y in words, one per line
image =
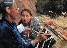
column 9, row 35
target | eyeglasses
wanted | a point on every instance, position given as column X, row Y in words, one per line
column 15, row 8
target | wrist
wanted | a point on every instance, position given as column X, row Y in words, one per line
column 35, row 41
column 32, row 42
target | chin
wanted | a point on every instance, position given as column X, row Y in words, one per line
column 15, row 18
column 25, row 23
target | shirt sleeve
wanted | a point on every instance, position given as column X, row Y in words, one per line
column 20, row 28
column 36, row 24
column 30, row 44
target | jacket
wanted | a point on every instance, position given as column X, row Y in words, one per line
column 10, row 37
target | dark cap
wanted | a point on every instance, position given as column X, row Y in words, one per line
column 8, row 1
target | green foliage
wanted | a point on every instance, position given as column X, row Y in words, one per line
column 44, row 6
column 40, row 6
column 55, row 6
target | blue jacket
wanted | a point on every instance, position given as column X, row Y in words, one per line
column 10, row 37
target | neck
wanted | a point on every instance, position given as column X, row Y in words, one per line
column 25, row 24
column 9, row 19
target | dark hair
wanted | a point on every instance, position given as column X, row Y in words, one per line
column 27, row 11
column 3, row 6
column 22, row 12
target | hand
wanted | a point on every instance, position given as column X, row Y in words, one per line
column 40, row 37
column 45, row 36
column 37, row 39
column 26, row 31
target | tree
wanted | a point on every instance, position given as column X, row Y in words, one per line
column 39, row 6
column 51, row 7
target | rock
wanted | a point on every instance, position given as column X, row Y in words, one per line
column 29, row 4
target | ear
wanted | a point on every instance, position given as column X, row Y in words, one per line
column 7, row 9
column 31, row 16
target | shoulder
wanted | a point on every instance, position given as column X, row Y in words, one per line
column 4, row 29
column 20, row 26
column 35, row 18
column 3, row 25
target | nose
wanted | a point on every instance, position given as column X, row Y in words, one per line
column 17, row 12
column 24, row 17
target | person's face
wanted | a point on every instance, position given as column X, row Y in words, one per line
column 14, row 11
column 26, row 17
